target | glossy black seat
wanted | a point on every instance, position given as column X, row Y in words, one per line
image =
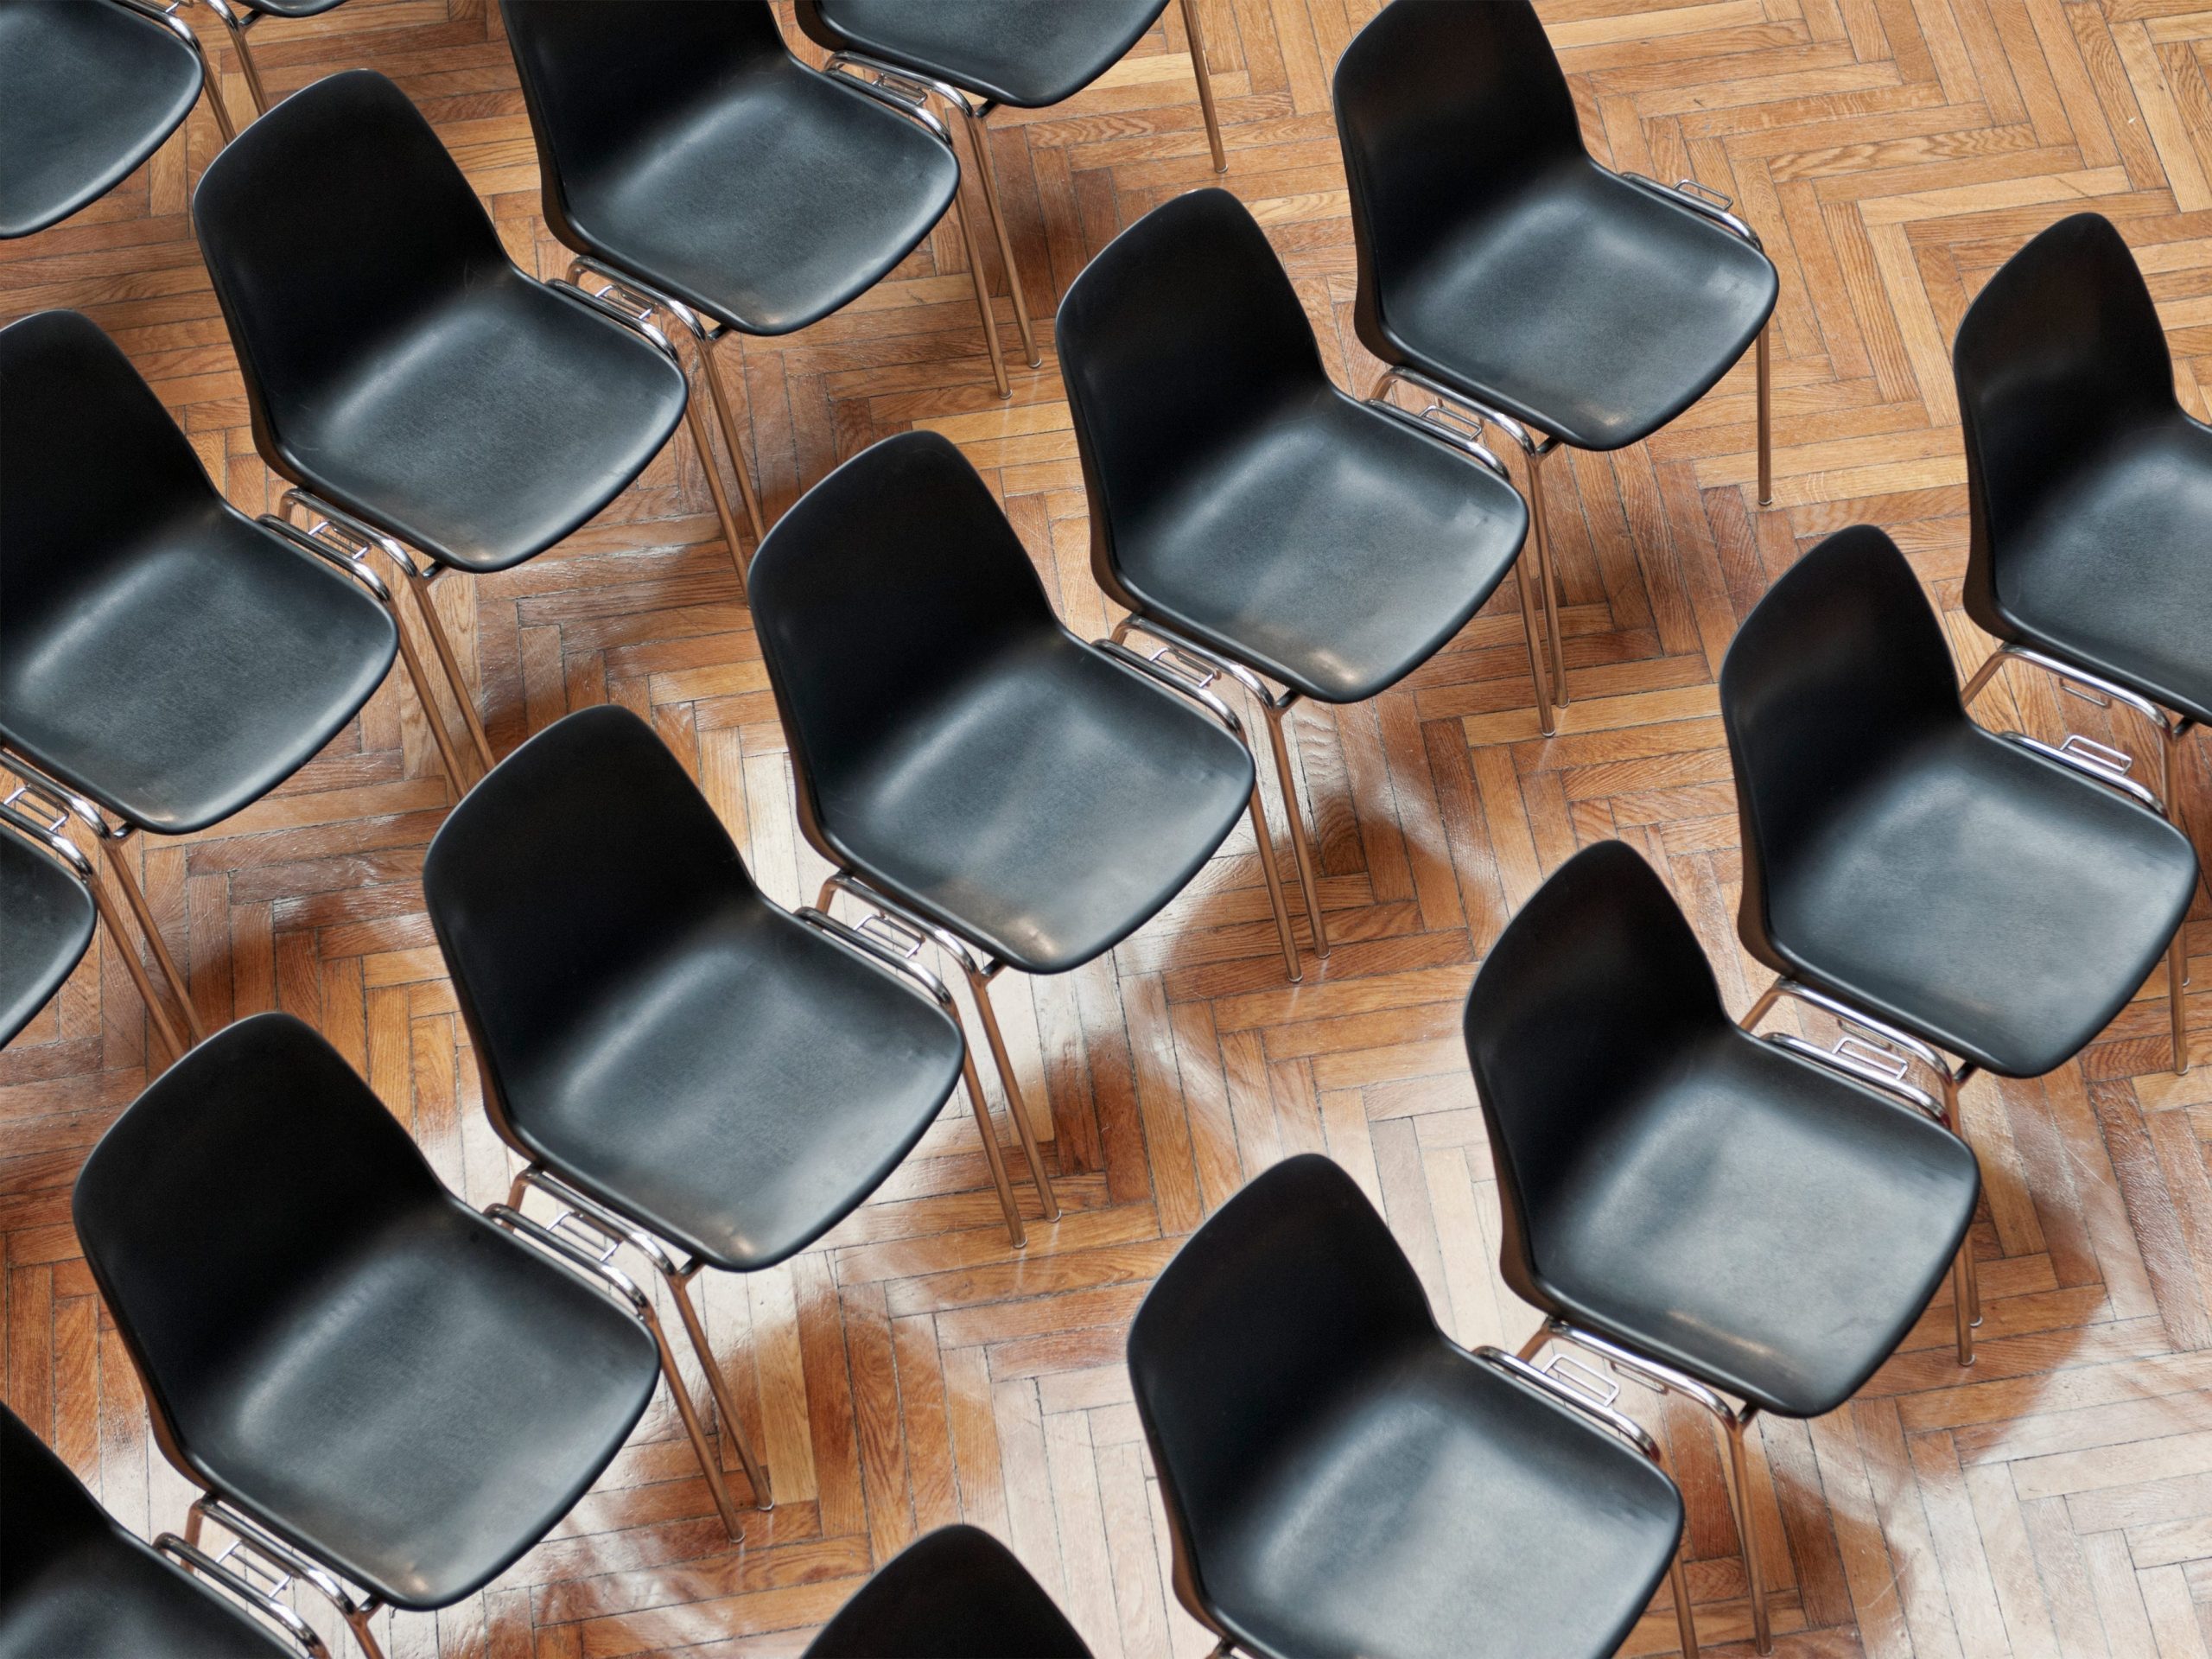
column 1341, row 1478
column 719, row 183
column 46, row 896
column 435, row 397
column 681, row 1057
column 1501, row 263
column 1990, row 896
column 2088, row 483
column 161, row 653
column 75, row 1584
column 88, row 90
column 1243, row 505
column 303, row 1300
column 1760, row 1214
column 955, row 1593
column 976, row 55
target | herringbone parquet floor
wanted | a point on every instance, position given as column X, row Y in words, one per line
column 2055, row 1500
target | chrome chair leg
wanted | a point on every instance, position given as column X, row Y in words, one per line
column 697, row 423
column 1546, row 566
column 1016, row 1233
column 756, row 1474
column 1969, row 1276
column 982, row 296
column 1766, row 417
column 974, row 119
column 1539, row 676
column 1275, row 900
column 155, row 1011
column 432, row 715
column 1198, row 72
column 1739, row 1484
column 135, row 896
column 237, row 26
column 1300, row 845
column 710, row 346
column 979, row 987
column 450, row 661
column 2177, row 950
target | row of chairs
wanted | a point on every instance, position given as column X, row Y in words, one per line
column 1752, row 1223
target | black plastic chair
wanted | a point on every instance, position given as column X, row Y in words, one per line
column 696, row 166
column 239, row 15
column 305, row 1303
column 423, row 391
column 1711, row 1212
column 1248, row 513
column 689, row 1069
column 87, row 92
column 980, row 778
column 46, row 890
column 2088, row 483
column 1342, row 1478
column 74, row 1584
column 1503, row 269
column 957, row 1593
column 1938, row 886
column 978, row 54
column 164, row 660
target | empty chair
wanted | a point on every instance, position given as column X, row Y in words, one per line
column 239, row 15
column 978, row 776
column 687, row 1068
column 956, row 1594
column 88, row 91
column 1342, row 1478
column 2089, row 486
column 1246, row 511
column 377, row 1390
column 711, row 179
column 436, row 405
column 46, row 894
column 1950, row 890
column 1503, row 269
column 73, row 1582
column 164, row 660
column 1758, row 1218
column 978, row 54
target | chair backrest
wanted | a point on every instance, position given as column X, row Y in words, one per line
column 600, row 79
column 954, row 1593
column 585, row 850
column 45, row 1511
column 330, row 224
column 1595, row 988
column 2060, row 352
column 1444, row 107
column 1180, row 335
column 1293, row 1292
column 1835, row 670
column 887, row 583
column 226, row 1190
column 90, row 463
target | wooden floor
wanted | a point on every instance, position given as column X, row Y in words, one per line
column 2055, row 1500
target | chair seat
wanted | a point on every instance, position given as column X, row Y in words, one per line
column 1012, row 52
column 1047, row 804
column 771, row 207
column 1587, row 306
column 954, row 1593
column 49, row 925
column 1444, row 1512
column 2111, row 573
column 498, row 423
column 430, row 1409
column 87, row 92
column 1760, row 1223
column 1995, row 903
column 189, row 679
column 742, row 1094
column 1329, row 547
column 112, row 1598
